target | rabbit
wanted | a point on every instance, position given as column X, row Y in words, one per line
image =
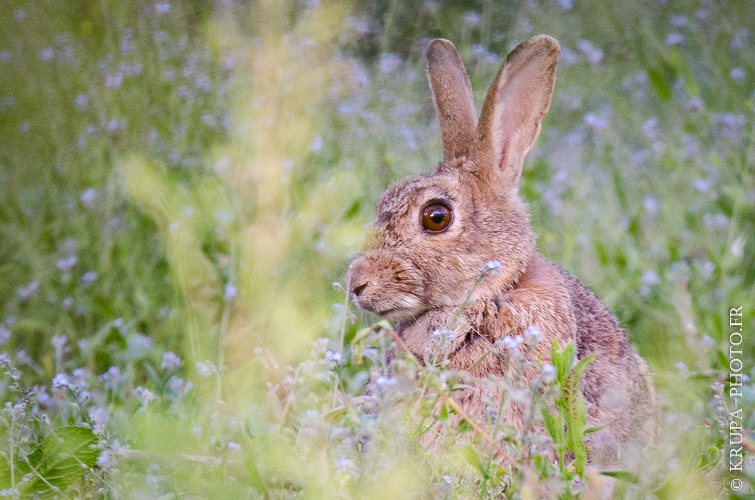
column 435, row 233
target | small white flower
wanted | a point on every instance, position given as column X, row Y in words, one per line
column 679, row 20
column 61, row 381
column 492, row 267
column 708, row 268
column 88, row 197
column 345, row 464
column 26, row 292
column 66, row 263
column 170, row 361
column 316, row 146
column 58, row 341
column 106, row 460
column 674, row 39
column 81, row 101
column 702, row 14
column 650, row 204
column 681, row 366
column 533, row 333
column 389, row 62
column 89, row 277
column 99, row 417
column 383, row 381
column 162, row 8
column 512, row 343
column 333, row 356
column 738, row 73
column 471, row 18
column 46, row 54
column 111, row 377
column 442, row 333
column 205, row 368
column 145, row 395
column 568, row 56
column 234, row 446
column 649, row 278
column 707, row 342
column 549, row 372
column 595, row 122
column 230, row 292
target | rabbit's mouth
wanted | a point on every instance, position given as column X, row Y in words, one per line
column 396, row 307
column 388, row 288
column 401, row 313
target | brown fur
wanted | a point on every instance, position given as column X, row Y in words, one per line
column 419, row 279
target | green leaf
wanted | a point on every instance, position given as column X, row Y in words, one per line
column 460, row 387
column 470, row 456
column 255, row 478
column 336, row 414
column 592, row 429
column 557, row 356
column 574, row 404
column 622, row 475
column 361, row 334
column 659, row 85
column 443, row 412
column 62, row 459
column 580, row 367
column 554, row 426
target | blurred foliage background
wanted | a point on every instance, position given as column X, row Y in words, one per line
column 192, row 177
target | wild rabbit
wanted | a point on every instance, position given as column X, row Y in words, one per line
column 435, row 233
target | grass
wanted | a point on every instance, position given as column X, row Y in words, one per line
column 192, row 179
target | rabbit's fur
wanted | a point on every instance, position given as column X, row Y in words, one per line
column 420, row 278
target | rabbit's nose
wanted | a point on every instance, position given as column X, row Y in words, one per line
column 358, row 289
column 356, row 279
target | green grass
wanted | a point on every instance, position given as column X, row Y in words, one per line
column 193, row 179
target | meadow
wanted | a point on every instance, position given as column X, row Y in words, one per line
column 183, row 186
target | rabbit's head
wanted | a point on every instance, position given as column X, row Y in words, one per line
column 434, row 234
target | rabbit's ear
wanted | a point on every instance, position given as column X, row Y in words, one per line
column 452, row 94
column 514, row 109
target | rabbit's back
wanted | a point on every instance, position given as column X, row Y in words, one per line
column 618, row 386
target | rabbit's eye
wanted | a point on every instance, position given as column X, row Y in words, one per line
column 436, row 217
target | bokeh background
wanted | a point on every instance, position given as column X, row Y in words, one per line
column 181, row 183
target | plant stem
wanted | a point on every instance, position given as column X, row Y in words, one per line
column 459, row 410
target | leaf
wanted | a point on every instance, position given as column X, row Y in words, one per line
column 470, row 456
column 580, row 367
column 592, row 429
column 574, row 404
column 659, row 85
column 443, row 412
column 622, row 475
column 361, row 334
column 460, row 387
column 568, row 360
column 554, row 426
column 255, row 478
column 62, row 459
column 336, row 414
column 557, row 356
